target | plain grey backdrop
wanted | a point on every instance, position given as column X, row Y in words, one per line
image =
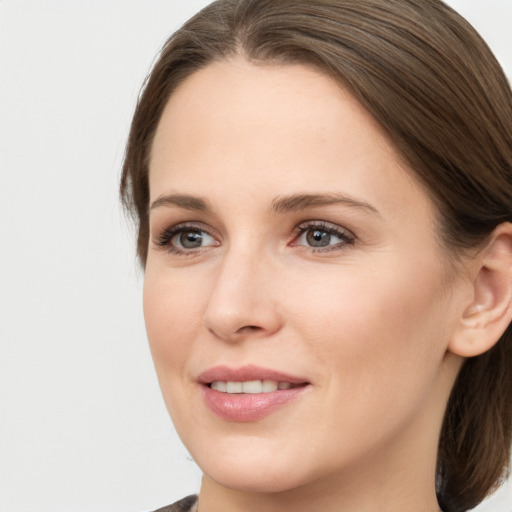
column 82, row 425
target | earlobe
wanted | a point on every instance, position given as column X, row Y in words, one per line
column 489, row 313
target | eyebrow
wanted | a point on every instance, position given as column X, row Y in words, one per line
column 298, row 202
column 292, row 203
column 182, row 200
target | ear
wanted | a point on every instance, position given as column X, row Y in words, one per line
column 485, row 318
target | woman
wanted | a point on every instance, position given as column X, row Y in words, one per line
column 323, row 191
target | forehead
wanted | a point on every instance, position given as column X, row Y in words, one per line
column 279, row 127
column 249, row 95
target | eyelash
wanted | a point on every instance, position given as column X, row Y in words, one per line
column 164, row 238
column 347, row 238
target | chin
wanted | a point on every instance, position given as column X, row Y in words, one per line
column 253, row 478
column 255, row 464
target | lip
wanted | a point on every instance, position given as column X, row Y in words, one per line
column 248, row 407
column 244, row 373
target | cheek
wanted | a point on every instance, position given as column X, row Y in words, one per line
column 172, row 313
column 378, row 340
column 375, row 328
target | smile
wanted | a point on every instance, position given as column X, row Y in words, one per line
column 251, row 386
column 249, row 393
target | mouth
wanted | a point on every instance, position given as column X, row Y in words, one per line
column 249, row 393
column 252, row 386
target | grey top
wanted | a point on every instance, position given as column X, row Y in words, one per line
column 188, row 504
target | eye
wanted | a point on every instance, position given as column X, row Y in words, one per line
column 322, row 236
column 191, row 239
column 185, row 239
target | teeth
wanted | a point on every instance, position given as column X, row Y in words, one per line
column 269, row 386
column 250, row 387
column 234, row 387
column 219, row 386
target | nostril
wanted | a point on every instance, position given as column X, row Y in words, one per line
column 249, row 328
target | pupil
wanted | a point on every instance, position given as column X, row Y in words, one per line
column 318, row 238
column 191, row 239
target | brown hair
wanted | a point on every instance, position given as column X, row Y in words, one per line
column 433, row 84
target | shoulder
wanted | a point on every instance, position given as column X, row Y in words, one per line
column 187, row 504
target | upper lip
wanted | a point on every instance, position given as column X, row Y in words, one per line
column 246, row 373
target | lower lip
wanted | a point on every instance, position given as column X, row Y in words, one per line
column 249, row 407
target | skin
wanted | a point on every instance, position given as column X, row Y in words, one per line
column 368, row 322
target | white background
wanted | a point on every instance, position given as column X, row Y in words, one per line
column 82, row 423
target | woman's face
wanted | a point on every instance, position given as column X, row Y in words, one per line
column 290, row 245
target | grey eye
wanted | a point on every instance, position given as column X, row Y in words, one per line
column 318, row 238
column 191, row 239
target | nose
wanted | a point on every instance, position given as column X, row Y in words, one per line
column 242, row 300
